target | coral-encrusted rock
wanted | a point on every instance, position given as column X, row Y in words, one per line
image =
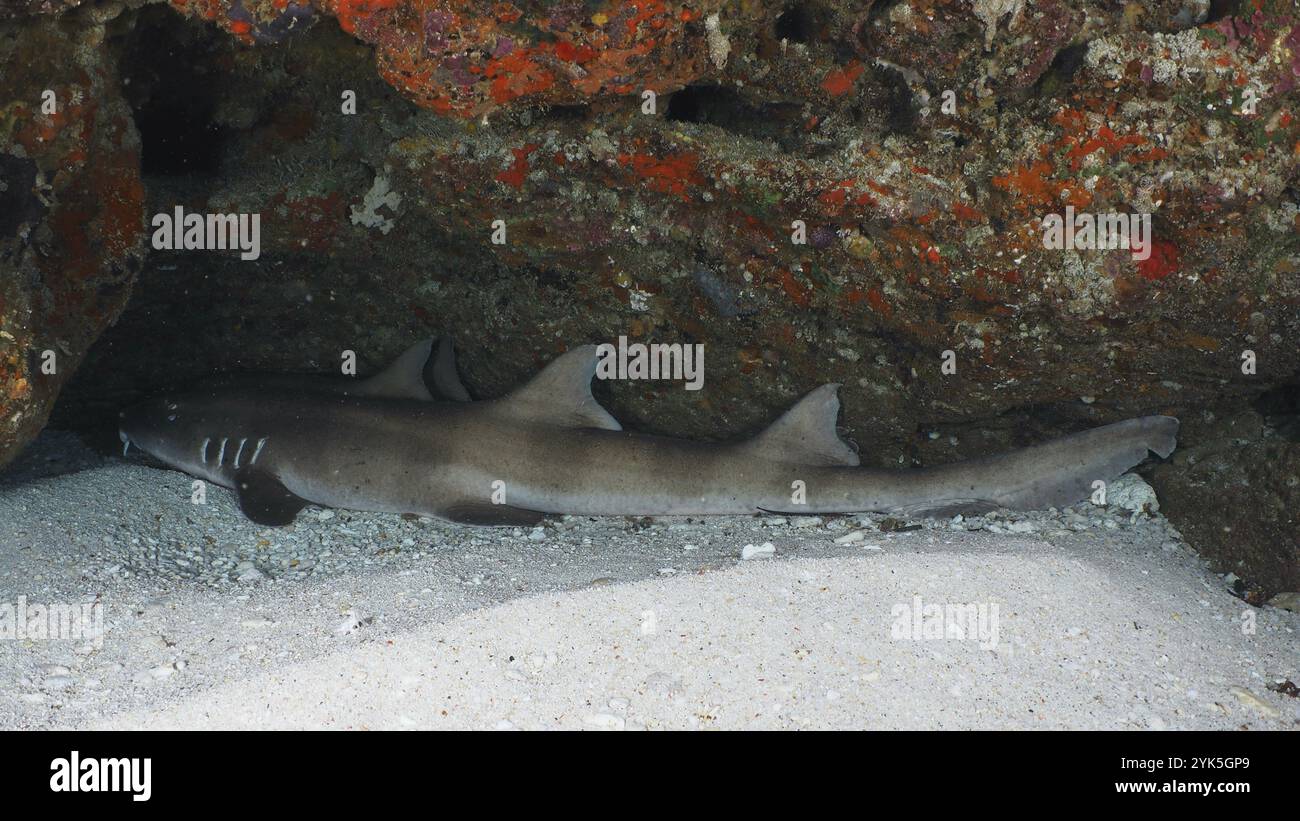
column 468, row 58
column 71, row 207
column 18, row 8
column 1236, row 497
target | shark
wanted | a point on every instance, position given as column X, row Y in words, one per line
column 410, row 440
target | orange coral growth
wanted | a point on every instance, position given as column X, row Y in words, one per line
column 516, row 75
column 1162, row 262
column 570, row 53
column 1036, row 189
column 800, row 294
column 349, row 11
column 839, row 81
column 1030, row 181
column 1105, row 139
column 514, row 176
column 670, row 174
column 876, row 299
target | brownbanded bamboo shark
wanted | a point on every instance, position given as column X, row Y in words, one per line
column 409, row 441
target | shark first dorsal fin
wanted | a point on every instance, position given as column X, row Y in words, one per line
column 441, row 376
column 805, row 434
column 404, row 379
column 561, row 394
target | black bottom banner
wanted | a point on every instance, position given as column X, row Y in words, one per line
column 141, row 771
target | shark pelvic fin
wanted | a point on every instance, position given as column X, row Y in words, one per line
column 404, row 379
column 805, row 434
column 264, row 500
column 946, row 508
column 561, row 394
column 441, row 376
column 485, row 513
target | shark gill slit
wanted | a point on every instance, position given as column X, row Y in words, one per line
column 203, row 451
column 239, row 452
column 221, row 454
column 258, row 450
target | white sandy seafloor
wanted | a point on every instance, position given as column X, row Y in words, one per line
column 1104, row 619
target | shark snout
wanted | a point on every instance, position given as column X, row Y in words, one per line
column 127, row 422
column 146, row 424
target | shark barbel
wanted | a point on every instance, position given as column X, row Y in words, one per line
column 410, row 441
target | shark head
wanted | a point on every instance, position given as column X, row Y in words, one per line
column 201, row 433
column 216, row 430
column 167, row 428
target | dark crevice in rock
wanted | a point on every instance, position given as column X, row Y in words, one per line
column 693, row 104
column 575, row 113
column 1061, row 72
column 167, row 78
column 1220, row 9
column 793, row 24
column 878, row 10
column 724, row 108
column 1280, row 407
column 901, row 115
column 800, row 23
column 18, row 201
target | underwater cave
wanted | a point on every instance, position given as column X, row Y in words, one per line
column 453, row 323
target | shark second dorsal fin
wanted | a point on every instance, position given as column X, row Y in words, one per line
column 561, row 394
column 805, row 434
column 404, row 379
column 441, row 376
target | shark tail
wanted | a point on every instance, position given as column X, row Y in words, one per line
column 1058, row 473
column 1065, row 471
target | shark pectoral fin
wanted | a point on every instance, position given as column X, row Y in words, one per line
column 561, row 394
column 440, row 373
column 264, row 500
column 805, row 434
column 404, row 379
column 486, row 513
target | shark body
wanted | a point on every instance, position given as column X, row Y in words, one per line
column 391, row 444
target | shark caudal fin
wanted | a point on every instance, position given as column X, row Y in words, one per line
column 561, row 394
column 805, row 434
column 1058, row 473
column 1063, row 472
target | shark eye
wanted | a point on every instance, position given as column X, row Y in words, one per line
column 171, row 418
